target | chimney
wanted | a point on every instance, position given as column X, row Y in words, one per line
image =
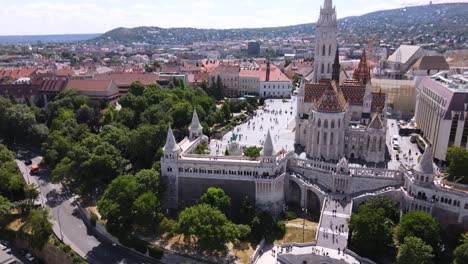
column 267, row 78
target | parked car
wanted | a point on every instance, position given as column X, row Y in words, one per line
column 28, row 162
column 396, row 146
column 34, row 169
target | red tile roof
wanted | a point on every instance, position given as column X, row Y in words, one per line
column 332, row 100
column 378, row 102
column 362, row 72
column 126, row 79
column 89, row 85
column 376, row 122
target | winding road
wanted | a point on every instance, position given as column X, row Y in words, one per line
column 66, row 223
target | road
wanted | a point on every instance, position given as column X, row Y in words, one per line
column 68, row 227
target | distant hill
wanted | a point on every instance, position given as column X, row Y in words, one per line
column 33, row 39
column 419, row 23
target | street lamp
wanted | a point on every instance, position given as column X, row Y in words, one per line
column 304, row 210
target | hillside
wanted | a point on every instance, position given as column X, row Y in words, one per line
column 420, row 24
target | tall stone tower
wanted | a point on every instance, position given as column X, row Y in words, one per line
column 325, row 42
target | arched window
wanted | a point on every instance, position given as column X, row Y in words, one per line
column 331, row 138
column 325, row 123
column 332, row 124
column 325, row 138
column 323, row 50
column 329, row 50
column 323, row 68
column 319, row 123
column 339, row 123
column 328, row 68
column 318, row 137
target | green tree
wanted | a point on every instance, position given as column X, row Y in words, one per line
column 136, row 88
column 5, row 206
column 419, row 224
column 457, row 159
column 145, row 209
column 217, row 198
column 390, row 208
column 116, row 204
column 148, row 181
column 460, row 253
column 208, row 226
column 414, row 251
column 253, row 152
column 38, row 228
column 371, row 232
column 18, row 120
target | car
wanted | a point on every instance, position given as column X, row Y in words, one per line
column 30, row 257
column 395, row 137
column 396, row 146
column 28, row 162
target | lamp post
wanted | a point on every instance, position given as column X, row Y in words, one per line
column 304, row 210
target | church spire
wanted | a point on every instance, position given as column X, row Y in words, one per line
column 328, row 4
column 336, row 67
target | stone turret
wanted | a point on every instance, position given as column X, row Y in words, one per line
column 424, row 170
column 268, row 149
column 195, row 129
column 171, row 147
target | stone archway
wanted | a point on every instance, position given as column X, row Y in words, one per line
column 295, row 195
column 313, row 205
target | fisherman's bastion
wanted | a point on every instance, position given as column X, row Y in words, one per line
column 331, row 140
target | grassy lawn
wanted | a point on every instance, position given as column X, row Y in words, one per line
column 242, row 251
column 295, row 233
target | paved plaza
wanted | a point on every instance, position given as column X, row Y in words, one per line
column 277, row 116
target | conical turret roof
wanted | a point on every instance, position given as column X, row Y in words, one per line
column 268, row 149
column 426, row 164
column 171, row 144
column 195, row 125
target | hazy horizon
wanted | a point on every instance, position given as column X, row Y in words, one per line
column 52, row 17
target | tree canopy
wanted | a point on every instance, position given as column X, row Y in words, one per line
column 460, row 253
column 38, row 228
column 457, row 159
column 217, row 198
column 207, row 226
column 414, row 251
column 252, row 152
column 372, row 231
column 419, row 224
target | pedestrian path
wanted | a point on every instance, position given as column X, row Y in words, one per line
column 333, row 230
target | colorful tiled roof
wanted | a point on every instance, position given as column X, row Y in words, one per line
column 378, row 102
column 362, row 72
column 332, row 100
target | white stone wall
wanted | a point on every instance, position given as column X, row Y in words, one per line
column 276, row 89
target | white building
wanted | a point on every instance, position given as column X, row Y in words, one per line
column 441, row 112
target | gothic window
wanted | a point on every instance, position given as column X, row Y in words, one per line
column 380, row 144
column 328, row 68
column 319, row 123
column 323, row 68
column 323, row 50
column 332, row 124
column 318, row 137
column 325, row 138
column 329, row 50
column 339, row 123
column 331, row 138
column 325, row 123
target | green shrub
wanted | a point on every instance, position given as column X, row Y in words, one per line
column 93, row 218
column 167, row 225
column 155, row 251
column 65, row 248
column 290, row 215
column 135, row 243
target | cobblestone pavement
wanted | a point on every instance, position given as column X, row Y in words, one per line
column 276, row 116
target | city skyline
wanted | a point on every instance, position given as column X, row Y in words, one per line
column 69, row 17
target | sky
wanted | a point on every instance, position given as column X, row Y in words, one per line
column 40, row 17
